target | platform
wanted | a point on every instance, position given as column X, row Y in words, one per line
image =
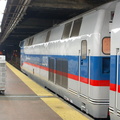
column 26, row 100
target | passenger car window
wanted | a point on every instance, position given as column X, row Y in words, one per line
column 76, row 27
column 106, row 45
column 26, row 42
column 66, row 31
column 84, row 49
column 21, row 44
column 30, row 41
column 48, row 36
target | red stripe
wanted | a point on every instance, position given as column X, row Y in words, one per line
column 38, row 66
column 71, row 76
column 119, row 88
column 113, row 87
column 75, row 77
column 84, row 80
column 61, row 73
column 100, row 82
column 51, row 70
column 95, row 82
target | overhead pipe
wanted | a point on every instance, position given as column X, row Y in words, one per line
column 18, row 17
column 12, row 22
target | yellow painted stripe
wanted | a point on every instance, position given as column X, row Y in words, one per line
column 63, row 110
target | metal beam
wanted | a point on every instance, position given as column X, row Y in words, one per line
column 13, row 23
column 66, row 4
column 30, row 26
column 19, row 36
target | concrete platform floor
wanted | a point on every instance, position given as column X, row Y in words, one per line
column 21, row 103
column 26, row 100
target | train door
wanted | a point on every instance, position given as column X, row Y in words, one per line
column 62, row 73
column 84, row 69
column 51, row 70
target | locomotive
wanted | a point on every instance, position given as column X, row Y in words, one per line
column 79, row 60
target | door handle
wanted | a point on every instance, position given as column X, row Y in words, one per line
column 81, row 62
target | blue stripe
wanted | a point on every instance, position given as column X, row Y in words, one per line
column 99, row 66
column 113, row 69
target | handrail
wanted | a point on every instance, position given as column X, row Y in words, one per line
column 117, row 79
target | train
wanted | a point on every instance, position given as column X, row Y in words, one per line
column 79, row 59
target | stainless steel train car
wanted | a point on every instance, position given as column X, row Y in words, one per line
column 115, row 66
column 73, row 60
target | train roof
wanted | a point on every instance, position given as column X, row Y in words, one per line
column 104, row 6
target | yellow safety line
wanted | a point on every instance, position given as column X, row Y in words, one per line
column 63, row 110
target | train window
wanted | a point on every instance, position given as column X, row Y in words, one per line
column 76, row 27
column 48, row 36
column 84, row 49
column 106, row 65
column 66, row 31
column 112, row 15
column 106, row 45
column 30, row 41
column 26, row 42
column 21, row 44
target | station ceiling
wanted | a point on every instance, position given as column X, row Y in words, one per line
column 23, row 18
